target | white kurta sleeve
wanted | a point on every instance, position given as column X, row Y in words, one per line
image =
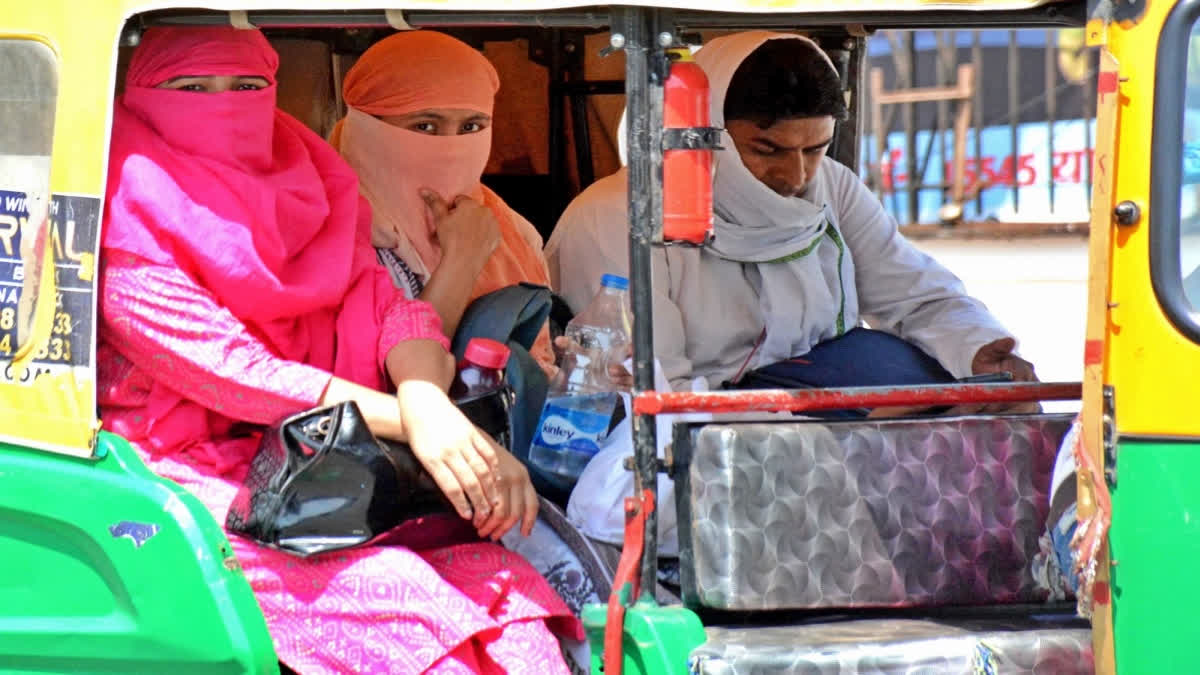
column 591, row 239
column 904, row 291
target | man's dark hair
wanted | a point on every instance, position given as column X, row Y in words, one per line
column 783, row 80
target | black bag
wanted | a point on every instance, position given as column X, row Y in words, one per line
column 321, row 481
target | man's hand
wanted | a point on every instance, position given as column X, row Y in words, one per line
column 614, row 364
column 997, row 357
column 994, row 357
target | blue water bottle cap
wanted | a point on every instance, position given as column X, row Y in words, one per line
column 614, row 281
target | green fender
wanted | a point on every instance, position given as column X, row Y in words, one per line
column 106, row 567
column 656, row 640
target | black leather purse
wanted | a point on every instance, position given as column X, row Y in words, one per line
column 321, row 481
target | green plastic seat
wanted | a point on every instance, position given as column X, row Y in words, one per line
column 106, row 567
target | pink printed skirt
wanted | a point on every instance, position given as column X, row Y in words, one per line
column 471, row 607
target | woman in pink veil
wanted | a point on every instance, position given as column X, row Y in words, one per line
column 239, row 287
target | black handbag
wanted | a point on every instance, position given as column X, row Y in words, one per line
column 321, row 481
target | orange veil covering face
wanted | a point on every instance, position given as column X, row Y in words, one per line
column 420, row 70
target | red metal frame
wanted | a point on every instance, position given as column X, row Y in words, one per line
column 800, row 400
column 627, row 580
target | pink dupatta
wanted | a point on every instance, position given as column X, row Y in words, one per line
column 250, row 204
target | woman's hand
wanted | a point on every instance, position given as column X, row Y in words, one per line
column 463, row 461
column 466, row 230
column 518, row 500
column 484, row 483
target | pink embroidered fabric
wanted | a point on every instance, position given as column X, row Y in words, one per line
column 238, row 276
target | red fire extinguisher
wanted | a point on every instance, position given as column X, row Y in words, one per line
column 688, row 142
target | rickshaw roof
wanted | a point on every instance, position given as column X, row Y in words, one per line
column 733, row 6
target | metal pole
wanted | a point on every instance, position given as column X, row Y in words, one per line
column 844, row 398
column 581, row 137
column 1051, row 108
column 557, row 133
column 1014, row 110
column 977, row 112
column 945, row 59
column 910, row 133
column 645, row 68
column 1088, row 112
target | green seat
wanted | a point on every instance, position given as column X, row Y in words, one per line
column 106, row 567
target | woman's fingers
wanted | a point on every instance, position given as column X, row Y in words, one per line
column 437, row 206
column 487, row 449
column 529, row 516
column 518, row 503
column 473, row 485
column 500, row 520
column 448, row 483
column 494, row 526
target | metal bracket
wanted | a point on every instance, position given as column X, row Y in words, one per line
column 661, row 465
column 240, row 19
column 692, row 138
column 1109, row 436
column 395, row 19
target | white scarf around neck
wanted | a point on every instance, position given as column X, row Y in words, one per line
column 754, row 224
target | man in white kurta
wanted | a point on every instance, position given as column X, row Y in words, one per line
column 802, row 255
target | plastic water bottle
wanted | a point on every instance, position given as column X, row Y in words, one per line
column 481, row 370
column 582, row 405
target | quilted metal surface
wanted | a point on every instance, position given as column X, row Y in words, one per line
column 845, row 514
column 898, row 646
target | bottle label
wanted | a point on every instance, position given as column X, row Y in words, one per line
column 575, row 423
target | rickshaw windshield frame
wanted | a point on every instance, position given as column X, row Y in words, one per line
column 1166, row 169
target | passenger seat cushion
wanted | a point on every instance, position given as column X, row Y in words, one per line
column 867, row 513
column 1044, row 644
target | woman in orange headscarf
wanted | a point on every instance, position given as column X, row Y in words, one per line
column 418, row 132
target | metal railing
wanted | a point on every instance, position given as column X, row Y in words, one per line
column 1029, row 144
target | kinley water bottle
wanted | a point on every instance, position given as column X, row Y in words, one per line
column 583, row 404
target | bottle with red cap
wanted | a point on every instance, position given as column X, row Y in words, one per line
column 481, row 370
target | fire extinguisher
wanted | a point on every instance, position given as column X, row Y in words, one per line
column 688, row 142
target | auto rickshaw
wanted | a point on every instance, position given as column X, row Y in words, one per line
column 109, row 568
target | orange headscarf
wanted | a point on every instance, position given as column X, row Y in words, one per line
column 418, row 70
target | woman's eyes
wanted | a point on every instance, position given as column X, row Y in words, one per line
column 203, row 88
column 433, row 128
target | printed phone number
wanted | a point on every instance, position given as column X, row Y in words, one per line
column 57, row 349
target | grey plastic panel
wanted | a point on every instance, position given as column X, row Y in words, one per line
column 1062, row 647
